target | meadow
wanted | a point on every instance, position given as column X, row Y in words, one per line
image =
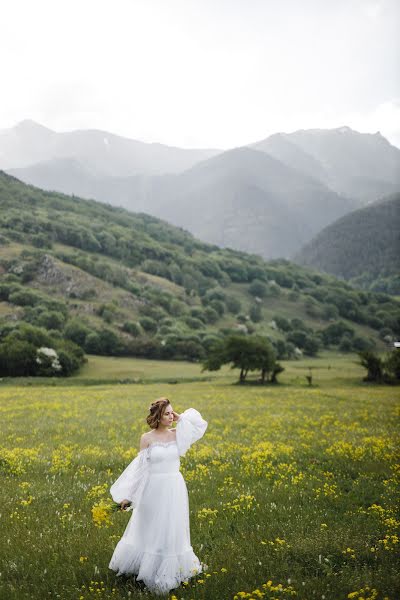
column 293, row 489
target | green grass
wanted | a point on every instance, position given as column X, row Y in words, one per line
column 328, row 368
column 303, row 466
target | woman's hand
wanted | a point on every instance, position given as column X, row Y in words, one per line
column 176, row 415
column 124, row 504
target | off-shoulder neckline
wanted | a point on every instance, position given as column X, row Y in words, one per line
column 161, row 443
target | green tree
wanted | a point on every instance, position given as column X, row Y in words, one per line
column 76, row 331
column 258, row 288
column 255, row 313
column 246, row 353
column 373, row 363
column 233, row 305
column 148, row 324
column 392, row 366
column 132, row 328
column 17, row 358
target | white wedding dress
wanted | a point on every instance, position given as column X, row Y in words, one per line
column 156, row 543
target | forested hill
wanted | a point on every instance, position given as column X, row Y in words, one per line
column 118, row 283
column 363, row 246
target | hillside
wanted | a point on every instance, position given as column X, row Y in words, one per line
column 363, row 246
column 242, row 198
column 118, row 283
column 247, row 200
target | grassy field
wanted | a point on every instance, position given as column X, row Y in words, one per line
column 329, row 368
column 292, row 489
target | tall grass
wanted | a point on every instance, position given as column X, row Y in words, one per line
column 290, row 485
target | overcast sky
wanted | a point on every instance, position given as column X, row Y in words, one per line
column 201, row 73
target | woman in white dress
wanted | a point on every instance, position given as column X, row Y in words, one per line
column 156, row 543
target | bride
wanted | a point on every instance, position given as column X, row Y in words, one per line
column 156, row 543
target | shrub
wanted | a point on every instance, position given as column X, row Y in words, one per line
column 92, row 343
column 51, row 320
column 346, row 344
column 132, row 328
column 258, row 288
column 255, row 313
column 218, row 306
column 298, row 324
column 194, row 323
column 233, row 305
column 24, row 298
column 198, row 313
column 148, row 324
column 360, row 344
column 211, row 315
column 282, row 323
column 17, row 358
column 76, row 331
column 335, row 331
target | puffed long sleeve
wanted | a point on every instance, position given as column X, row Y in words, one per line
column 130, row 484
column 189, row 428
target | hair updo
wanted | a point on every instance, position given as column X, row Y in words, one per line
column 156, row 409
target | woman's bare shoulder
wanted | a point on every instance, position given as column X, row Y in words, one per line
column 145, row 439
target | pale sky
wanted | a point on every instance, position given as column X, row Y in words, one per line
column 201, row 73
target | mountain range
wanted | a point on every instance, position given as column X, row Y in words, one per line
column 270, row 198
column 99, row 153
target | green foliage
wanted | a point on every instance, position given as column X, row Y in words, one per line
column 333, row 334
column 17, row 358
column 282, row 323
column 132, row 328
column 362, row 247
column 218, row 306
column 50, row 319
column 233, row 305
column 255, row 313
column 247, row 353
column 210, row 315
column 148, row 324
column 392, row 365
column 258, row 288
column 194, row 323
column 92, row 343
column 120, row 249
column 31, row 351
column 381, row 370
column 24, row 298
column 304, row 340
column 76, row 331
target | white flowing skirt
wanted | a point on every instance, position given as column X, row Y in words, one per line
column 156, row 543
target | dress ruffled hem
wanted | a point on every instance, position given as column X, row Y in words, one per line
column 159, row 572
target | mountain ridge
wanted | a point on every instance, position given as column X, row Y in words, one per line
column 272, row 205
column 362, row 246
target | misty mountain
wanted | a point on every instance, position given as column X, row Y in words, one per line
column 270, row 198
column 365, row 243
column 99, row 152
column 363, row 166
column 243, row 199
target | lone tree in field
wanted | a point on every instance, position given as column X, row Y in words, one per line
column 381, row 370
column 252, row 353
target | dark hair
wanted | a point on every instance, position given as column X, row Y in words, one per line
column 157, row 409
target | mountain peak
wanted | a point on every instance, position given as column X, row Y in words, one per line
column 344, row 129
column 30, row 125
